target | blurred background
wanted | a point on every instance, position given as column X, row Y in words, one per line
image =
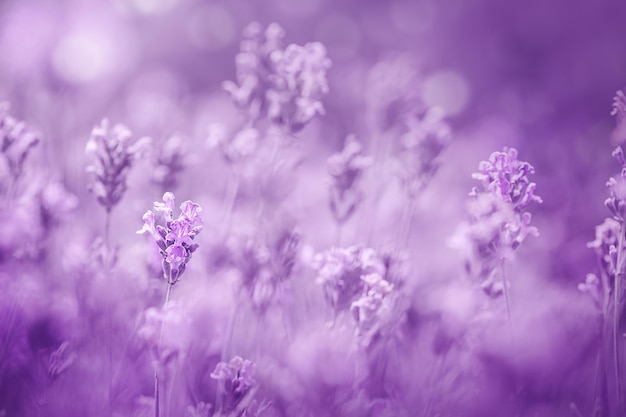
column 536, row 75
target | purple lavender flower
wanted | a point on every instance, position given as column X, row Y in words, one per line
column 169, row 164
column 507, row 177
column 605, row 245
column 297, row 85
column 373, row 309
column 346, row 168
column 339, row 271
column 114, row 154
column 285, row 85
column 239, row 383
column 175, row 239
column 421, row 145
column 16, row 142
column 498, row 224
column 254, row 67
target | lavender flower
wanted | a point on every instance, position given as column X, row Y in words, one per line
column 605, row 245
column 425, row 139
column 373, row 309
column 239, row 383
column 340, row 270
column 16, row 142
column 297, row 85
column 254, row 68
column 114, row 155
column 346, row 168
column 169, row 163
column 498, row 223
column 507, row 177
column 175, row 239
column 284, row 85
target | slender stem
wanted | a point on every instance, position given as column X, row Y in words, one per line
column 157, row 405
column 229, row 201
column 338, row 233
column 107, row 242
column 507, row 297
column 616, row 320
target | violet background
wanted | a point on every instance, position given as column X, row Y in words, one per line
column 536, row 75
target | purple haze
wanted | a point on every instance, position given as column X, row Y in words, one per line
column 281, row 208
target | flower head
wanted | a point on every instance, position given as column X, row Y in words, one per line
column 345, row 169
column 175, row 239
column 426, row 137
column 16, row 142
column 283, row 84
column 340, row 270
column 238, row 377
column 507, row 177
column 169, row 163
column 114, row 153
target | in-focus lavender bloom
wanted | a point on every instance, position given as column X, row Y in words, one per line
column 339, row 271
column 169, row 164
column 175, row 239
column 16, row 142
column 114, row 153
column 346, row 168
column 239, row 383
column 507, row 177
column 420, row 147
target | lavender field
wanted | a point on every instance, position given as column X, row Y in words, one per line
column 316, row 208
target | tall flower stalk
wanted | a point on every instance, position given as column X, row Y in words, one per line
column 175, row 243
column 113, row 152
column 499, row 222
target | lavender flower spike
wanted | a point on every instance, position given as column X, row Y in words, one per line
column 15, row 142
column 114, row 155
column 237, row 377
column 175, row 239
column 506, row 176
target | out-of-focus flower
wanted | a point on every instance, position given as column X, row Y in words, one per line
column 498, row 224
column 285, row 85
column 16, row 142
column 421, row 145
column 373, row 309
column 339, row 271
column 60, row 360
column 393, row 91
column 169, row 163
column 238, row 379
column 346, row 168
column 254, row 67
column 175, row 239
column 201, row 409
column 618, row 135
column 605, row 245
column 241, row 146
column 114, row 153
column 298, row 83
